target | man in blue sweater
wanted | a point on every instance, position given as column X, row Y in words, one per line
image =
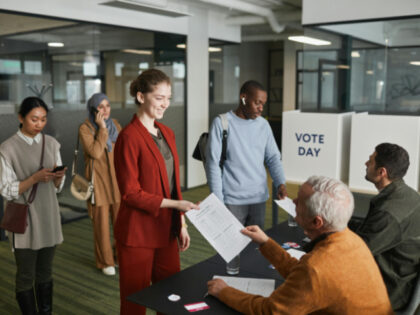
column 242, row 183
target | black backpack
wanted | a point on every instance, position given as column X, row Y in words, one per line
column 200, row 149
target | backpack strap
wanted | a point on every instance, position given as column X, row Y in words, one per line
column 225, row 125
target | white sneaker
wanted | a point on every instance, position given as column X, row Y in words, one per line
column 109, row 271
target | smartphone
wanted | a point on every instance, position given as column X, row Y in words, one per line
column 93, row 111
column 58, row 168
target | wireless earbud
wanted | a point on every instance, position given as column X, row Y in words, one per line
column 243, row 101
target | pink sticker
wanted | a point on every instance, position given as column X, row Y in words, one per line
column 196, row 307
column 292, row 244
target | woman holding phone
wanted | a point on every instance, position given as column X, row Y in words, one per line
column 150, row 230
column 22, row 172
column 98, row 135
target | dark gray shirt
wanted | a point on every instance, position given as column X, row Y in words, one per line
column 167, row 156
column 392, row 232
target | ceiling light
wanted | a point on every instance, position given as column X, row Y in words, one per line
column 55, row 44
column 137, row 52
column 345, row 67
column 215, row 49
column 211, row 49
column 415, row 63
column 370, row 72
column 309, row 40
column 355, row 54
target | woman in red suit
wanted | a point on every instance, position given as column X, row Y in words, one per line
column 150, row 230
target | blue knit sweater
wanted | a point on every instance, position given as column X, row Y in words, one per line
column 250, row 146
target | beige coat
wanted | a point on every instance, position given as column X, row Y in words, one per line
column 94, row 146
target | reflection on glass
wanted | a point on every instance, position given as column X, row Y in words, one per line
column 74, row 92
column 32, row 67
column 10, row 66
column 92, row 58
column 224, row 67
column 382, row 60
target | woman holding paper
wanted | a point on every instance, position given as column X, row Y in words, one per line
column 150, row 230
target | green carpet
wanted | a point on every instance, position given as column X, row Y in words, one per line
column 79, row 288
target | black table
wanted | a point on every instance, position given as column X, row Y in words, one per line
column 191, row 283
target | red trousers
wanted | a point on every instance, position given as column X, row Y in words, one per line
column 139, row 266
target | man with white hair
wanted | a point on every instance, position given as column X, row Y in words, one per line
column 337, row 276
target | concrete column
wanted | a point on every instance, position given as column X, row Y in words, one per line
column 289, row 76
column 197, row 91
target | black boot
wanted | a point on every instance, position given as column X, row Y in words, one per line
column 44, row 293
column 26, row 301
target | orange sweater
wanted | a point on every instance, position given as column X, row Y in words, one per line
column 339, row 276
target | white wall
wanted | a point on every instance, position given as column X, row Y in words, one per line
column 91, row 11
column 325, row 11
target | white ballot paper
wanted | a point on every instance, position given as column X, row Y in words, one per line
column 296, row 253
column 287, row 205
column 219, row 227
column 262, row 287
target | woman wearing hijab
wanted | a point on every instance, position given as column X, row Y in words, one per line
column 98, row 135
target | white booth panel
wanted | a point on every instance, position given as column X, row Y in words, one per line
column 367, row 131
column 315, row 144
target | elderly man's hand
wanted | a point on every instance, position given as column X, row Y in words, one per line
column 215, row 286
column 255, row 233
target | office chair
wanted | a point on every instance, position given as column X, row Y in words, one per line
column 413, row 307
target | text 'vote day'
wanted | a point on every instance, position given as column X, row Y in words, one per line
column 309, row 138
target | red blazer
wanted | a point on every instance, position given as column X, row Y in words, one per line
column 143, row 183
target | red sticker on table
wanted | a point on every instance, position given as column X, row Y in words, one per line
column 292, row 244
column 196, row 307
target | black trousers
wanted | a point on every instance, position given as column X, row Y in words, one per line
column 33, row 266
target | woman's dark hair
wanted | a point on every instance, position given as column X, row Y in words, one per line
column 394, row 158
column 147, row 81
column 29, row 104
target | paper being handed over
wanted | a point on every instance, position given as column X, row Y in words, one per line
column 287, row 205
column 219, row 227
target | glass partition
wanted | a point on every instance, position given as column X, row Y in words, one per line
column 363, row 66
column 65, row 62
column 224, row 75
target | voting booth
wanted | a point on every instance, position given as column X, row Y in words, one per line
column 367, row 131
column 316, row 144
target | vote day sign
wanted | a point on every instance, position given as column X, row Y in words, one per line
column 316, row 144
